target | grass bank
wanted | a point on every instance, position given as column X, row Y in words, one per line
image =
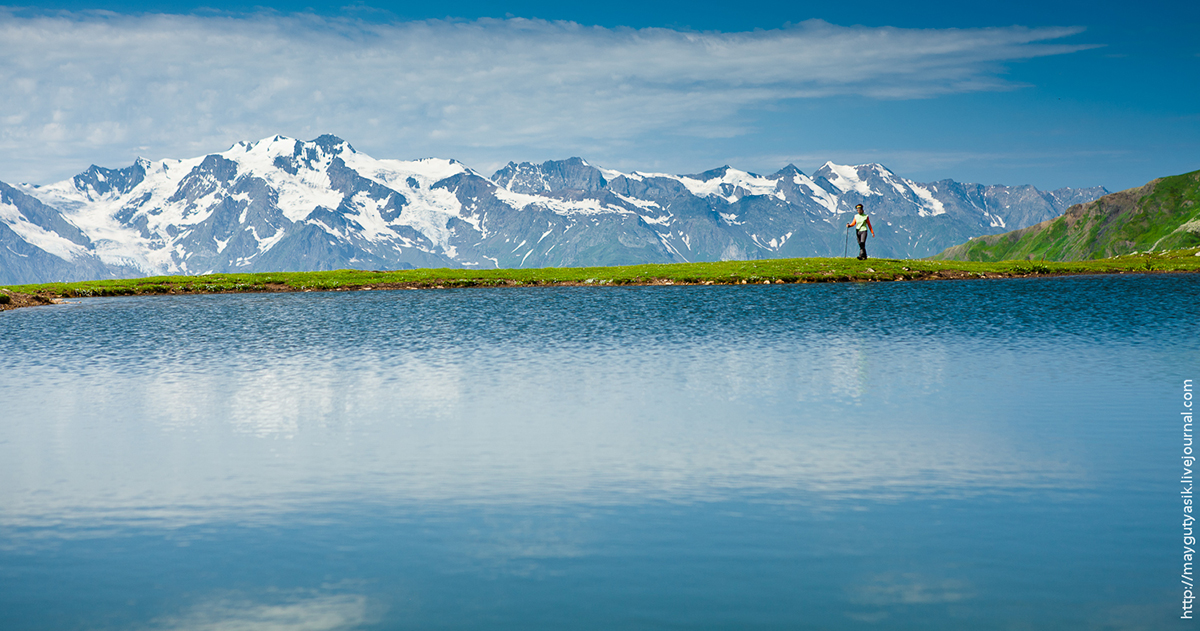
column 806, row 270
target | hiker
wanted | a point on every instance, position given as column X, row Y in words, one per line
column 862, row 223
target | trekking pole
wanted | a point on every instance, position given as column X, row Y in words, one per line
column 846, row 246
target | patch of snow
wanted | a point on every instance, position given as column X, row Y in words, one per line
column 931, row 206
column 39, row 237
column 640, row 203
column 327, row 228
column 269, row 242
column 819, row 195
column 117, row 244
column 563, row 207
column 370, row 217
column 611, row 175
column 427, row 171
column 429, row 209
column 641, row 175
column 846, row 179
column 660, row 221
column 887, row 176
column 665, row 240
column 298, row 194
column 748, row 183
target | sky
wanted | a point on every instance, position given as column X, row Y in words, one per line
column 1046, row 93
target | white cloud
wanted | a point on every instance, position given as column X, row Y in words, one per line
column 88, row 86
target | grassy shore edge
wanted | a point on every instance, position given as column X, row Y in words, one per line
column 776, row 271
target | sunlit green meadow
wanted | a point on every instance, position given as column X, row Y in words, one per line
column 801, row 270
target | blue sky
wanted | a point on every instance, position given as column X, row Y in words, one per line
column 1046, row 93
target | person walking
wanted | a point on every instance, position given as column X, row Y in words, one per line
column 861, row 223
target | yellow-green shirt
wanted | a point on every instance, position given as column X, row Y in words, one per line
column 860, row 222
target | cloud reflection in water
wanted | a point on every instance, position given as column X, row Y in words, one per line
column 295, row 611
column 507, row 416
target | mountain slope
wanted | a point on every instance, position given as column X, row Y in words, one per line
column 36, row 241
column 281, row 204
column 1162, row 215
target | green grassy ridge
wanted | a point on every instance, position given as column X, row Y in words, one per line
column 804, row 270
column 1162, row 215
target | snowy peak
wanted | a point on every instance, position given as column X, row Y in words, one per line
column 789, row 171
column 728, row 183
column 798, row 188
column 863, row 179
column 718, row 173
column 876, row 184
column 572, row 174
column 288, row 154
column 332, row 144
column 99, row 183
column 275, row 203
column 212, row 174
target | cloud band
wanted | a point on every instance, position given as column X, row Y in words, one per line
column 88, row 83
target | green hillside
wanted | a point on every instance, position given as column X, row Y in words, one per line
column 1162, row 215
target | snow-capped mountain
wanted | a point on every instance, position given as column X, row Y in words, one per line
column 281, row 204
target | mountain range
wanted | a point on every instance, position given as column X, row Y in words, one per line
column 281, row 204
column 1164, row 214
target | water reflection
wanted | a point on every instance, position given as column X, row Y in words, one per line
column 618, row 458
column 294, row 611
column 317, row 397
column 910, row 589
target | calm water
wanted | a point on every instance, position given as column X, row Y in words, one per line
column 950, row 455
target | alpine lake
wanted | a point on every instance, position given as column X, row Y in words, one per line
column 976, row 454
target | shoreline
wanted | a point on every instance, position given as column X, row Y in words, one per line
column 768, row 271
